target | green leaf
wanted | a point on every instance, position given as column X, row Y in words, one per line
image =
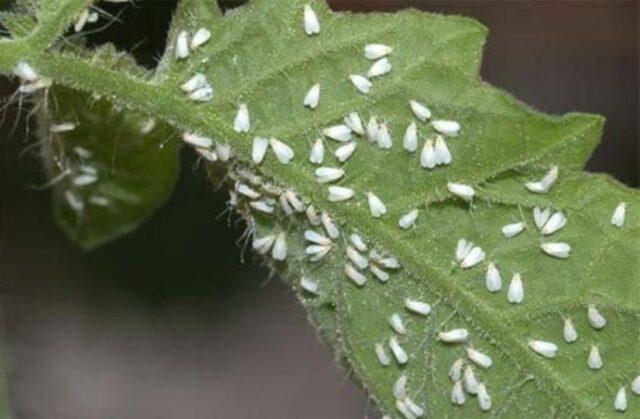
column 260, row 55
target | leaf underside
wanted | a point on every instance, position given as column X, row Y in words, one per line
column 260, row 55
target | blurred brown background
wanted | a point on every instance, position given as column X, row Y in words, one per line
column 167, row 323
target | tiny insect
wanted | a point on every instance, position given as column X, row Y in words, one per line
column 408, row 220
column 540, row 216
column 63, row 127
column 515, row 294
column 356, row 258
column 309, row 285
column 395, row 321
column 479, row 358
column 372, row 129
column 455, row 372
column 204, row 94
column 317, row 238
column 545, row 184
column 450, row 128
column 354, row 275
column 512, row 230
column 413, row 407
column 329, row 226
column 617, row 219
column 384, row 137
column 484, row 399
column 344, row 152
column 311, row 22
column 75, row 203
column 555, row 223
column 460, row 190
column 100, row 201
column 328, row 174
column 376, row 206
column 454, row 336
column 596, row 319
column 379, row 68
column 312, row 216
column 470, row 380
column 147, row 125
column 475, row 256
column 259, row 149
column 200, row 38
column 197, row 140
column 410, row 140
column 417, row 307
column 246, row 190
column 463, row 248
column 428, row 155
column 493, row 280
column 635, row 385
column 546, row 349
column 402, row 407
column 242, row 123
column 262, row 245
column 381, row 354
column 262, row 206
column 182, row 45
column 317, row 152
column 198, row 81
column 25, row 72
column 279, row 251
column 317, row 252
column 399, row 389
column 420, row 110
column 620, row 403
column 361, row 83
column 341, row 133
column 569, row 331
column 354, row 123
column 208, row 155
column 84, row 180
column 340, row 193
column 376, row 51
column 442, row 153
column 457, row 394
column 283, row 152
column 379, row 273
column 312, row 98
column 357, row 242
column 594, row 360
column 398, row 352
column 558, row 250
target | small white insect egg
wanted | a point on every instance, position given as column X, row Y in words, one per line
column 376, row 51
column 283, row 152
column 594, row 360
column 454, row 336
column 344, row 152
column 493, row 280
column 200, row 38
column 328, row 174
column 555, row 223
column 376, row 206
column 450, row 128
column 408, row 220
column 197, row 140
column 341, row 133
column 182, row 45
column 398, row 351
column 596, row 319
column 410, row 140
column 420, row 110
column 242, row 123
column 259, row 149
column 558, row 250
column 620, row 403
column 354, row 123
column 384, row 137
column 470, row 380
column 515, row 294
column 357, row 242
column 311, row 22
column 309, row 286
column 417, row 307
column 546, row 349
column 617, row 219
column 396, row 323
column 361, row 83
column 356, row 258
column 354, row 275
column 400, row 388
column 329, row 226
column 428, row 155
column 457, row 394
column 479, row 358
column 340, row 193
column 512, row 230
column 475, row 256
column 463, row 191
column 312, row 98
column 569, row 331
column 379, row 68
column 484, row 399
column 317, row 152
column 442, row 153
column 382, row 356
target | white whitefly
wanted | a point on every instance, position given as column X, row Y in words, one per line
column 84, row 180
column 197, row 140
column 354, row 275
column 262, row 245
column 455, row 372
column 283, row 152
column 354, row 123
column 399, row 389
column 470, row 380
column 357, row 242
column 317, row 238
column 294, row 200
column 356, row 258
column 62, row 127
column 479, row 358
column 200, row 38
column 410, row 140
column 454, row 336
column 343, row 153
column 596, row 319
column 384, row 137
column 317, row 152
column 417, row 307
column 475, row 256
column 443, row 155
column 484, row 399
column 541, row 216
column 341, row 133
column 379, row 68
column 402, row 407
column 196, row 82
column 309, row 285
column 379, row 273
column 376, row 206
column 262, row 206
column 25, row 72
column 340, row 193
column 463, row 248
column 546, row 349
column 545, row 184
column 555, row 223
column 207, row 154
column 512, row 230
column 457, row 394
column 311, row 22
column 594, row 360
column 259, row 149
column 147, row 125
column 82, row 20
column 90, row 170
column 284, row 203
column 398, row 352
column 428, row 155
column 450, row 128
column 329, row 225
column 246, row 190
column 317, row 252
column 635, row 385
column 100, row 201
column 182, row 45
column 203, row 94
column 389, row 263
column 515, row 294
column 408, row 220
column 420, row 110
column 242, row 123
column 493, row 280
column 373, row 127
column 569, row 331
column 312, row 98
column 312, row 216
column 376, row 51
column 617, row 219
column 558, row 250
column 381, row 354
column 396, row 323
column 620, row 403
column 460, row 190
column 328, row 174
column 414, row 408
column 361, row 83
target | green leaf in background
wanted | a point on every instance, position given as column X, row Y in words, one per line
column 259, row 55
